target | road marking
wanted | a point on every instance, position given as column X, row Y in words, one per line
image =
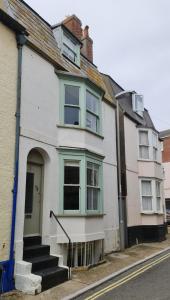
column 127, row 278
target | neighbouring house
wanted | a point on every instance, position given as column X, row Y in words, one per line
column 165, row 137
column 9, row 33
column 67, row 188
column 141, row 170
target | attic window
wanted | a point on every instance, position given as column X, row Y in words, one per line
column 138, row 105
column 71, row 48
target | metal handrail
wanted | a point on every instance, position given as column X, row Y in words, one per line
column 69, row 239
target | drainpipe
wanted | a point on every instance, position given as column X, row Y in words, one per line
column 121, row 219
column 120, row 198
column 21, row 40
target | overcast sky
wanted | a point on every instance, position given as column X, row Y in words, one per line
column 131, row 43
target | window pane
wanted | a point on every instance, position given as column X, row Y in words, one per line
column 71, row 95
column 91, row 121
column 92, row 102
column 154, row 154
column 71, row 175
column 71, row 115
column 96, row 175
column 144, row 152
column 89, row 198
column 95, row 199
column 71, row 198
column 147, row 203
column 146, row 188
column 143, row 138
column 158, row 203
column 158, row 192
column 89, row 176
column 154, row 140
column 69, row 53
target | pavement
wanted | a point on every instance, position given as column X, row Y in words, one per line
column 83, row 280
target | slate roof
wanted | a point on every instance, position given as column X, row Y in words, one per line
column 164, row 133
column 125, row 102
column 42, row 40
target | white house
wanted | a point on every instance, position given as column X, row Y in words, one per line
column 67, row 155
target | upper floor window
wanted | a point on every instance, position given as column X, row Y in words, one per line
column 70, row 48
column 148, row 145
column 155, row 145
column 138, row 105
column 68, row 44
column 81, row 106
column 92, row 111
column 143, row 144
column 71, row 105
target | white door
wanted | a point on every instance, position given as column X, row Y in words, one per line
column 32, row 224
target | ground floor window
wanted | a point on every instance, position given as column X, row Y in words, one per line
column 81, row 183
column 85, row 254
column 151, row 195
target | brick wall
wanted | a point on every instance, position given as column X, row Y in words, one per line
column 8, row 83
column 166, row 150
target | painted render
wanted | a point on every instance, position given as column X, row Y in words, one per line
column 136, row 169
column 40, row 129
column 8, row 83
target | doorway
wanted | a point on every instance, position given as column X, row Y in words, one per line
column 33, row 194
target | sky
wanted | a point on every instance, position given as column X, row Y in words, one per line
column 131, row 41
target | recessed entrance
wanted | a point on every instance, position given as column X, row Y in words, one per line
column 33, row 194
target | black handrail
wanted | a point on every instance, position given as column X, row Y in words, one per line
column 69, row 239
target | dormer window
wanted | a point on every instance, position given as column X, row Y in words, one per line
column 138, row 105
column 68, row 44
column 70, row 48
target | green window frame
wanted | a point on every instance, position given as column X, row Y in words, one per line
column 83, row 159
column 82, row 106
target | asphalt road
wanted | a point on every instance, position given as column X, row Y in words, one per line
column 149, row 281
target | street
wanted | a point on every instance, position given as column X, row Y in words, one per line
column 147, row 281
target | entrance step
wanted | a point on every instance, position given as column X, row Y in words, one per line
column 43, row 264
column 52, row 277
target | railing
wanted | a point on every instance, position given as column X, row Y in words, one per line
column 69, row 239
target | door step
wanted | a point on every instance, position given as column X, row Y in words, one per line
column 43, row 264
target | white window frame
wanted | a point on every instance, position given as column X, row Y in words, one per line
column 151, row 146
column 135, row 104
column 154, row 196
column 140, row 145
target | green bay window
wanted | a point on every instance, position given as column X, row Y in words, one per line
column 80, row 106
column 81, row 183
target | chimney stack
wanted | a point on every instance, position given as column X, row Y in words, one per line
column 87, row 49
column 74, row 25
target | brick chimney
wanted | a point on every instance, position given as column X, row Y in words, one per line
column 87, row 49
column 74, row 25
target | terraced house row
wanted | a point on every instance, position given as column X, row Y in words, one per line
column 80, row 159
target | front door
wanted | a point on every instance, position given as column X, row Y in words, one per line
column 32, row 224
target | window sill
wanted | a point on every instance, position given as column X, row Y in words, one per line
column 151, row 213
column 78, row 215
column 149, row 160
column 81, row 128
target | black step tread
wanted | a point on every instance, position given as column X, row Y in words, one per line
column 32, row 240
column 51, row 271
column 42, row 262
column 36, row 250
column 52, row 277
column 35, row 247
column 38, row 259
